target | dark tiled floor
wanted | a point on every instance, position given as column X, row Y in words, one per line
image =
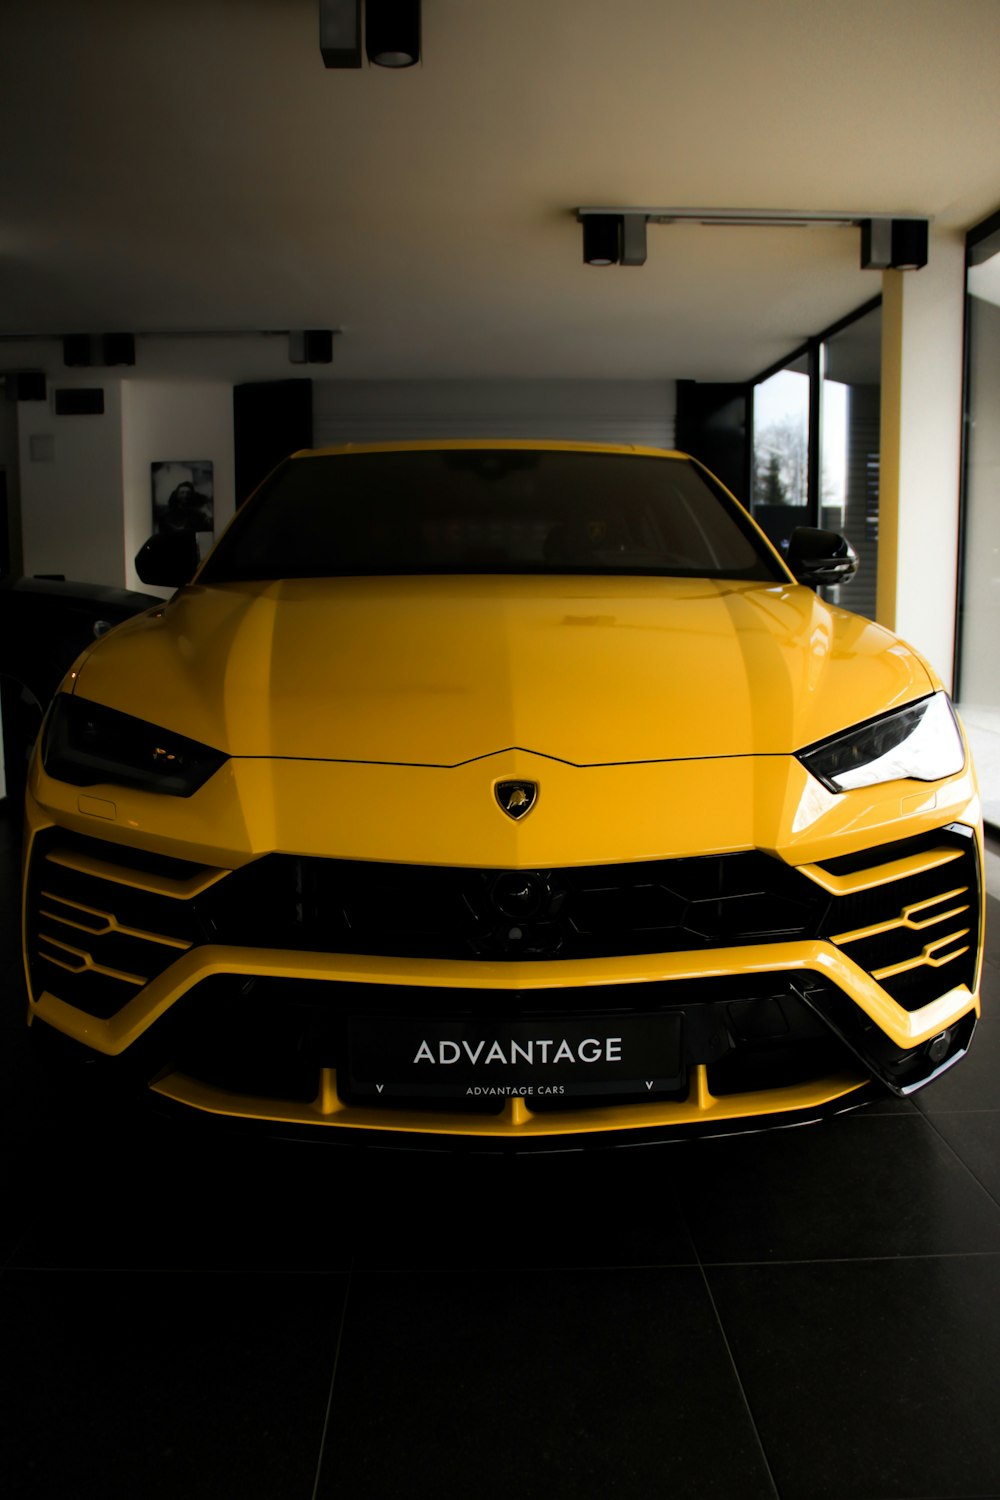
column 812, row 1314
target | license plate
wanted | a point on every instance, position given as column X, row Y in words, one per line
column 534, row 1059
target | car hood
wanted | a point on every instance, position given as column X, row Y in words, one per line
column 438, row 671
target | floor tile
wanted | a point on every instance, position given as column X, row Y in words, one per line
column 518, row 1334
column 17, row 1197
column 976, row 1139
column 866, row 1380
column 858, row 1186
column 163, row 1204
column 591, row 1208
column 539, row 1384
column 166, row 1387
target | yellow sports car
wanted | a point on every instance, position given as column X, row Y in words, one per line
column 503, row 790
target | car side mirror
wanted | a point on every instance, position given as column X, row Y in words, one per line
column 816, row 556
column 170, row 559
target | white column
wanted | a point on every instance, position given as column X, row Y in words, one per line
column 920, row 473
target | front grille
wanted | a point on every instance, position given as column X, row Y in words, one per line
column 104, row 920
column 912, row 918
column 414, row 911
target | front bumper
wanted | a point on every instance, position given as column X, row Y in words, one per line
column 130, row 923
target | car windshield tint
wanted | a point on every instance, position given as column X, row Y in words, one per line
column 489, row 511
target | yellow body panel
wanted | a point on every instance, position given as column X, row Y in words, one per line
column 517, row 1121
column 439, row 671
column 905, row 1028
column 583, row 815
column 371, row 719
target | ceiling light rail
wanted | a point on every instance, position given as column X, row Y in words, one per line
column 617, row 236
column 306, row 346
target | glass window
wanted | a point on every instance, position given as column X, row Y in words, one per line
column 474, row 510
column 781, row 452
column 835, row 483
column 849, row 451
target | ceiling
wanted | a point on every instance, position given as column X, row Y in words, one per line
column 191, row 165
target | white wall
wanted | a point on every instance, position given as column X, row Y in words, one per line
column 164, row 421
column 85, row 481
column 922, row 322
column 615, row 411
column 71, row 485
column 86, row 497
column 981, row 584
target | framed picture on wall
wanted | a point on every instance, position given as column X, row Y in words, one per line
column 183, row 498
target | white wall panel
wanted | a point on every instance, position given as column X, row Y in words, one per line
column 922, row 320
column 172, row 421
column 71, row 486
column 595, row 411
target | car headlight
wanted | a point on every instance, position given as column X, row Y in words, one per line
column 85, row 743
column 921, row 741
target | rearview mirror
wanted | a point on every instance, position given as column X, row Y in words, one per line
column 170, row 559
column 820, row 557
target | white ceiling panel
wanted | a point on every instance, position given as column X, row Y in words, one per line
column 191, row 165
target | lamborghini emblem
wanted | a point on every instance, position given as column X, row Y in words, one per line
column 516, row 798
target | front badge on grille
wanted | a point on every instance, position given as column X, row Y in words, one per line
column 516, row 798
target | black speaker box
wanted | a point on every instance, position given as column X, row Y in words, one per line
column 893, row 244
column 77, row 350
column 340, row 33
column 319, row 346
column 310, row 346
column 80, row 401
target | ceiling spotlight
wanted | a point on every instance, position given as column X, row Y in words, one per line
column 311, row 346
column 340, row 33
column 602, row 236
column 613, row 236
column 118, row 349
column 634, row 240
column 392, row 32
column 893, row 244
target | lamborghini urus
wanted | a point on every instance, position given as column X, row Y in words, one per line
column 488, row 790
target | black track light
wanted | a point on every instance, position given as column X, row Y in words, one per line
column 310, row 346
column 617, row 236
column 602, row 236
column 893, row 244
column 340, row 33
column 392, row 32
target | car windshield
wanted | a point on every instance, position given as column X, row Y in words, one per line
column 501, row 510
